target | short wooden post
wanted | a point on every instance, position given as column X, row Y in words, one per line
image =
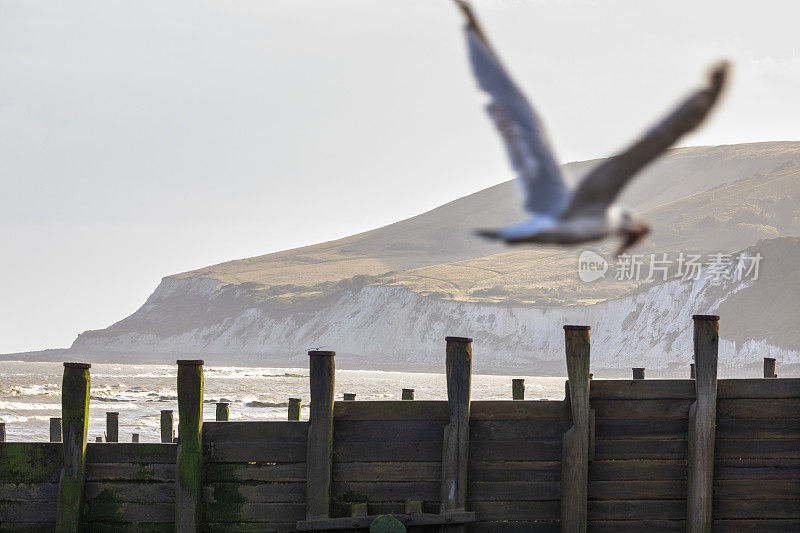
column 455, row 450
column 112, row 427
column 769, row 367
column 408, row 394
column 166, row 425
column 98, row 439
column 55, row 430
column 702, row 421
column 575, row 442
column 223, row 412
column 691, row 371
column 518, row 389
column 319, row 455
column 638, row 373
column 2, row 431
column 294, row 408
column 349, row 396
column 188, row 474
column 135, row 438
column 75, row 419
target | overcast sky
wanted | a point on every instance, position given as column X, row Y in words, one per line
column 141, row 139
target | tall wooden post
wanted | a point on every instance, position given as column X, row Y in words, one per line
column 319, row 457
column 2, row 431
column 702, row 422
column 188, row 475
column 518, row 389
column 55, row 430
column 294, row 409
column 223, row 412
column 112, row 427
column 75, row 418
column 456, row 434
column 575, row 443
column 769, row 367
column 638, row 373
column 166, row 425
column 407, row 394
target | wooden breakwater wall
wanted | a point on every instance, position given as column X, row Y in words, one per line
column 614, row 455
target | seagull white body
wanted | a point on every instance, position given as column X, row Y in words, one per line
column 559, row 215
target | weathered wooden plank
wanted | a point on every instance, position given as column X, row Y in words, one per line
column 268, row 452
column 637, row 470
column 388, row 471
column 515, row 471
column 128, row 512
column 119, row 452
column 540, row 450
column 387, row 430
column 254, row 492
column 130, row 472
column 637, row 510
column 437, row 410
column 514, row 527
column 527, row 430
column 640, row 449
column 27, row 512
column 637, row 526
column 756, row 509
column 514, row 490
column 758, row 408
column 760, row 428
column 448, row 519
column 515, row 510
column 241, row 512
column 260, row 527
column 144, row 492
column 254, row 472
column 759, row 388
column 387, row 451
column 21, row 492
column 757, row 489
column 638, row 490
column 769, row 468
column 757, row 448
column 519, row 410
column 112, row 527
column 642, row 389
column 641, row 409
column 255, row 431
column 643, row 429
column 390, row 490
column 755, row 526
column 26, row 528
column 30, row 462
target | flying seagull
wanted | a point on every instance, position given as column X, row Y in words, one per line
column 559, row 215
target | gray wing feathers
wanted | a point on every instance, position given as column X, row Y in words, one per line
column 602, row 185
column 525, row 141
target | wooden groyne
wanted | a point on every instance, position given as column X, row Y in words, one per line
column 696, row 454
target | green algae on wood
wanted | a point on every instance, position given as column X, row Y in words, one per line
column 189, row 476
column 30, row 462
column 386, row 524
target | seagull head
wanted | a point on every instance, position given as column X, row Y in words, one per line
column 632, row 233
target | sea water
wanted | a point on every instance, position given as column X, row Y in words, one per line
column 30, row 394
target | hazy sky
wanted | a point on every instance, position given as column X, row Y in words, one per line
column 141, row 139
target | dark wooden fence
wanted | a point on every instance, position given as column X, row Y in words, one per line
column 614, row 455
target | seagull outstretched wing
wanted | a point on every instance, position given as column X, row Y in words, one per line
column 602, row 185
column 515, row 119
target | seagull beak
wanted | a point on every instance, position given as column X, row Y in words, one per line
column 632, row 235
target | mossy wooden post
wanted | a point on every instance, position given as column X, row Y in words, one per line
column 575, row 443
column 55, row 430
column 349, row 396
column 294, row 409
column 2, row 431
column 223, row 412
column 455, row 450
column 518, row 389
column 319, row 458
column 702, row 421
column 769, row 367
column 166, row 425
column 407, row 394
column 188, row 476
column 75, row 418
column 638, row 373
column 691, row 371
column 112, row 427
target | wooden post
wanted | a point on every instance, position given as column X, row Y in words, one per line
column 702, row 421
column 135, row 438
column 166, row 425
column 112, row 427
column 188, row 474
column 518, row 389
column 769, row 367
column 575, row 443
column 349, row 396
column 294, row 408
column 638, row 373
column 55, row 430
column 223, row 412
column 408, row 394
column 2, row 431
column 456, row 434
column 75, row 416
column 98, row 439
column 691, row 371
column 319, row 455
